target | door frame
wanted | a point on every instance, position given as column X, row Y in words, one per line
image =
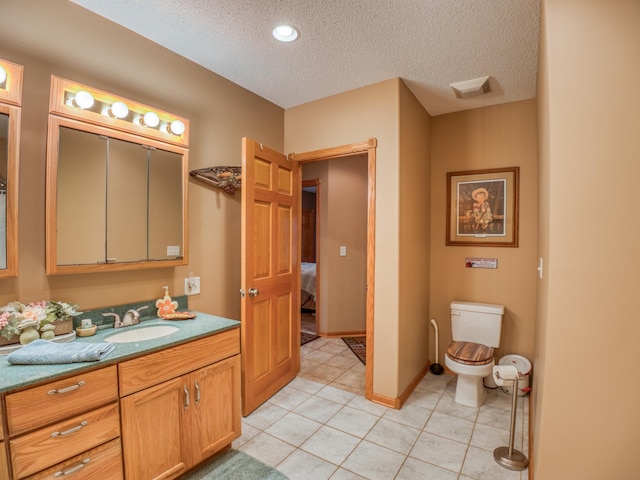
column 369, row 148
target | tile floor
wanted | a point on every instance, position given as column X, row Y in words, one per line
column 321, row 427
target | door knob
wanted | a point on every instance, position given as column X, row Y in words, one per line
column 254, row 292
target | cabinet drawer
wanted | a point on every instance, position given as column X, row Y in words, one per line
column 143, row 372
column 103, row 462
column 54, row 401
column 48, row 446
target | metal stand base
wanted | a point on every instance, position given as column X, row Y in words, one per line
column 516, row 461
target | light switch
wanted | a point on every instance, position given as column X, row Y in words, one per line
column 343, row 251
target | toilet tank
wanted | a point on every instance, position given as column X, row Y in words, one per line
column 476, row 322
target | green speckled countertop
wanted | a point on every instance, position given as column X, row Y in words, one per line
column 14, row 377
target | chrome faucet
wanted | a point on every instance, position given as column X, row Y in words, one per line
column 131, row 317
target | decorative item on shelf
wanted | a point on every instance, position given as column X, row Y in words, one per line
column 86, row 331
column 47, row 332
column 165, row 305
column 22, row 322
column 228, row 179
column 28, row 332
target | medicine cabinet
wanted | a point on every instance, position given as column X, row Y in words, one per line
column 10, row 113
column 116, row 185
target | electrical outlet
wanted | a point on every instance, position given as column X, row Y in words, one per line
column 192, row 285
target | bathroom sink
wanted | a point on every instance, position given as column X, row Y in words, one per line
column 142, row 333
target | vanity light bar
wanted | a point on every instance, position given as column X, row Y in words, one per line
column 11, row 83
column 73, row 100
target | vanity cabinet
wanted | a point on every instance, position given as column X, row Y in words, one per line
column 4, row 470
column 64, row 426
column 179, row 406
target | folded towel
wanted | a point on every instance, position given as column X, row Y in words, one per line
column 43, row 352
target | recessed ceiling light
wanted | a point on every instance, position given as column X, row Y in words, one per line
column 286, row 33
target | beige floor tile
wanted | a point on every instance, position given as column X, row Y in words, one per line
column 480, row 464
column 320, row 426
column 352, row 421
column 439, row 451
column 374, row 462
column 269, row 450
column 395, row 436
column 318, row 409
column 330, row 444
column 413, row 469
column 293, row 428
column 301, row 465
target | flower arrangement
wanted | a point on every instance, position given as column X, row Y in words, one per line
column 15, row 317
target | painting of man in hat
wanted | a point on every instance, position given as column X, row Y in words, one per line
column 481, row 207
column 481, row 212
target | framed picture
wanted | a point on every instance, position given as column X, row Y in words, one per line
column 482, row 207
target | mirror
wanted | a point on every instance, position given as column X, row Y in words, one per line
column 10, row 112
column 115, row 201
column 117, row 176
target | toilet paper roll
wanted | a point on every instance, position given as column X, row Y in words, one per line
column 504, row 373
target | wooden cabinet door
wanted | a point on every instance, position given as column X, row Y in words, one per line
column 152, row 433
column 4, row 471
column 214, row 414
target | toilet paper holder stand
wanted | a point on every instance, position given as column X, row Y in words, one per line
column 508, row 457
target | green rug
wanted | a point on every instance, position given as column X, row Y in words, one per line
column 233, row 465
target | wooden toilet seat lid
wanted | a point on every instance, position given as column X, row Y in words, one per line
column 470, row 353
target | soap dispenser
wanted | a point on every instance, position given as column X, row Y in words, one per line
column 165, row 305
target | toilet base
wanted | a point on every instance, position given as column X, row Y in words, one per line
column 470, row 391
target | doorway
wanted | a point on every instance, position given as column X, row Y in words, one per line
column 369, row 150
column 309, row 247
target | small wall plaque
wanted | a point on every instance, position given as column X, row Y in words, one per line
column 473, row 262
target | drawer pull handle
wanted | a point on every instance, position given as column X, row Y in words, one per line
column 70, row 431
column 67, row 389
column 197, row 392
column 186, row 397
column 73, row 469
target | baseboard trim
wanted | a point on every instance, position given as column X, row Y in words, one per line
column 386, row 401
column 398, row 402
column 359, row 333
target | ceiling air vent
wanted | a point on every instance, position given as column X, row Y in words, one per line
column 472, row 88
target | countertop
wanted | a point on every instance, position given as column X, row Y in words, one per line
column 14, row 377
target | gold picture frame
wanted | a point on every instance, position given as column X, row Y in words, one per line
column 482, row 207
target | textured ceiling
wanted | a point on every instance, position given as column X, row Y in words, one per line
column 347, row 44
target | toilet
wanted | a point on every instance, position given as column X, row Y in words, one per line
column 475, row 331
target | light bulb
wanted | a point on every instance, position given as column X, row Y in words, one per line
column 150, row 119
column 3, row 75
column 119, row 110
column 285, row 33
column 83, row 99
column 176, row 128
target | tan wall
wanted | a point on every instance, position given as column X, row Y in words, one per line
column 492, row 137
column 66, row 40
column 414, row 233
column 587, row 419
column 354, row 117
column 346, row 277
column 342, row 221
